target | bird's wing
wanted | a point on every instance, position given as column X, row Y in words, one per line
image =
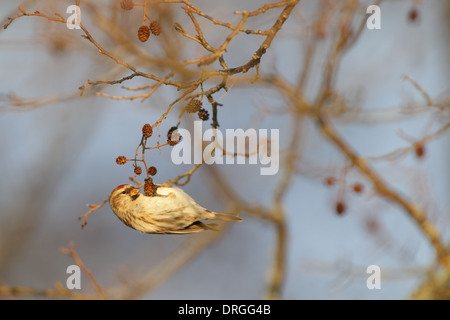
column 194, row 228
column 184, row 204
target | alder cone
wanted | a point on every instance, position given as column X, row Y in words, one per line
column 203, row 114
column 143, row 33
column 173, row 139
column 155, row 28
column 127, row 4
column 149, row 187
column 120, row 160
column 138, row 170
column 152, row 171
column 358, row 187
column 147, row 130
column 193, row 106
column 340, row 207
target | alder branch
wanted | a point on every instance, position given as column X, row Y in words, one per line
column 58, row 292
column 70, row 251
column 186, row 175
column 93, row 207
column 382, row 188
column 425, row 95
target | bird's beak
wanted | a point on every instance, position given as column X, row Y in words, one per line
column 134, row 192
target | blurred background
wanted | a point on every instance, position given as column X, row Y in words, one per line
column 58, row 151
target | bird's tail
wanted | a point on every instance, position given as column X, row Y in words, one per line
column 226, row 216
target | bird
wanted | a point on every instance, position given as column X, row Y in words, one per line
column 169, row 210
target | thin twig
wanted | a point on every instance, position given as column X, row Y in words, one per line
column 425, row 95
column 70, row 251
column 93, row 207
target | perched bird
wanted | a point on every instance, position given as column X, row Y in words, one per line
column 169, row 211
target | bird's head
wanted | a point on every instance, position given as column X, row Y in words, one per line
column 123, row 193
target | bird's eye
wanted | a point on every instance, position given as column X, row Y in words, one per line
column 123, row 192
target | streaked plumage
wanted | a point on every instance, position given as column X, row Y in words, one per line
column 169, row 211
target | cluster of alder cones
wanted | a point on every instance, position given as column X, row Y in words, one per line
column 147, row 131
column 341, row 207
column 195, row 106
column 144, row 31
